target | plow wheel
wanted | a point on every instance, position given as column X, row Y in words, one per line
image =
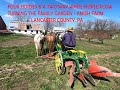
column 60, row 67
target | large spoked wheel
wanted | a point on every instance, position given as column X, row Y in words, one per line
column 60, row 67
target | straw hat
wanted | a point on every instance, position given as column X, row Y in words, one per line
column 70, row 29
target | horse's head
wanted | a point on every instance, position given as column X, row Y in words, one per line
column 60, row 36
column 42, row 32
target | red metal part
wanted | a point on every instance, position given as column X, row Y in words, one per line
column 82, row 78
column 94, row 70
column 71, row 76
column 72, row 69
column 100, row 71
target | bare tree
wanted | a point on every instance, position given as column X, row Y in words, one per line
column 59, row 24
column 79, row 26
column 113, row 25
column 80, row 30
column 22, row 18
column 48, row 26
column 100, row 24
column 88, row 25
column 98, row 29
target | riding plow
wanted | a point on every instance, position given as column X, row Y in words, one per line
column 79, row 66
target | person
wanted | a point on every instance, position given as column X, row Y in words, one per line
column 69, row 39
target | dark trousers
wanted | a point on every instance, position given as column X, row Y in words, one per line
column 65, row 48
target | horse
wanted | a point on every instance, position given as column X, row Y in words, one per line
column 59, row 37
column 42, row 41
column 50, row 41
column 38, row 41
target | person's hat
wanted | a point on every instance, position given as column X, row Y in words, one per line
column 70, row 29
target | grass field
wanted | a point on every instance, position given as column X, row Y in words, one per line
column 20, row 70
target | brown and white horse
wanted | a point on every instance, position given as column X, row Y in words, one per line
column 41, row 41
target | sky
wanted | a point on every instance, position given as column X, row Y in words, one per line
column 113, row 14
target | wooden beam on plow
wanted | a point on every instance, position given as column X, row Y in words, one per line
column 47, row 56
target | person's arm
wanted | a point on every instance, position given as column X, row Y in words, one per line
column 75, row 36
column 63, row 38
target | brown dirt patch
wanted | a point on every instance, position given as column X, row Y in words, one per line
column 22, row 41
column 15, row 67
column 8, row 69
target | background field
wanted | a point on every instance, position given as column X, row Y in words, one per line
column 20, row 70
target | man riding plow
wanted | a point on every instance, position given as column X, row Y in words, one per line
column 81, row 68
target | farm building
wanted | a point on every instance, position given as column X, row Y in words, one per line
column 59, row 29
column 2, row 26
column 25, row 27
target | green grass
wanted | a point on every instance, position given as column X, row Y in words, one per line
column 21, row 54
column 95, row 47
column 4, row 37
column 44, row 76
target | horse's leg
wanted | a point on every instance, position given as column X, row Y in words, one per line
column 48, row 47
column 45, row 47
column 36, row 46
column 51, row 47
column 42, row 48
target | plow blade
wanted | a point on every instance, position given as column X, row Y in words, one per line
column 100, row 71
column 83, row 80
column 86, row 77
column 90, row 79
